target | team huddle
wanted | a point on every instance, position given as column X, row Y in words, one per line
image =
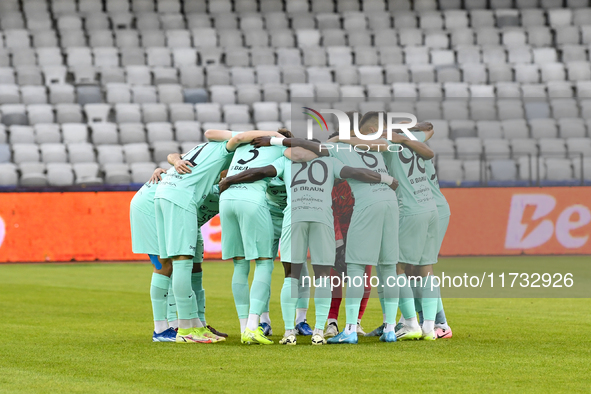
column 347, row 205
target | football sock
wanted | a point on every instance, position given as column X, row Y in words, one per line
column 402, row 320
column 337, row 297
column 265, row 318
column 383, row 316
column 303, row 302
column 261, row 286
column 171, row 307
column 381, row 290
column 389, row 327
column 253, row 321
column 194, row 316
column 301, row 313
column 354, row 292
column 350, row 328
column 288, row 302
column 183, row 293
column 240, row 287
column 197, row 285
column 318, row 331
column 243, row 324
column 366, row 294
column 391, row 292
column 428, row 326
column 322, row 299
column 407, row 302
column 428, row 296
column 440, row 316
column 158, row 292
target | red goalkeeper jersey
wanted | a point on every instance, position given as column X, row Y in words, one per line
column 342, row 207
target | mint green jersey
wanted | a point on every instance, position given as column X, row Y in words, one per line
column 283, row 167
column 188, row 190
column 143, row 200
column 276, row 195
column 442, row 205
column 311, row 190
column 414, row 192
column 245, row 157
column 365, row 193
column 209, row 207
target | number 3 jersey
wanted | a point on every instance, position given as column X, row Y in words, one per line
column 245, row 157
column 365, row 194
column 189, row 190
column 414, row 192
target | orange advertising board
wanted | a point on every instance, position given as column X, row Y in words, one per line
column 508, row 221
column 89, row 226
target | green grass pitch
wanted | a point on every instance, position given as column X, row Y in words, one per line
column 84, row 328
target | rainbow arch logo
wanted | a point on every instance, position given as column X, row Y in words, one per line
column 315, row 115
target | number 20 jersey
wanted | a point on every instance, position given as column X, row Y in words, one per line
column 247, row 156
column 189, row 190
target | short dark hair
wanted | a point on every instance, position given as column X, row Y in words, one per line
column 369, row 116
column 284, row 132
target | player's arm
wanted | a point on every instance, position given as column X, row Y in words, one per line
column 248, row 176
column 379, row 145
column 181, row 166
column 155, row 178
column 368, row 176
column 218, row 135
column 420, row 148
column 312, row 146
column 248, row 136
column 425, row 127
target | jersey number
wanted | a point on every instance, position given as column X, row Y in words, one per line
column 313, row 180
column 192, row 159
column 369, row 159
column 254, row 152
column 412, row 160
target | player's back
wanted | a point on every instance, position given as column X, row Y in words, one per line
column 143, row 200
column 245, row 157
column 364, row 193
column 188, row 190
column 311, row 190
column 414, row 192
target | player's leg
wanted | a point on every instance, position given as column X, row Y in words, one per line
column 294, row 255
column 302, row 326
column 386, row 270
column 171, row 307
column 412, row 237
column 288, row 302
column 177, row 238
column 322, row 253
column 363, row 249
column 332, row 327
column 159, row 296
column 378, row 331
column 257, row 240
column 428, row 292
column 277, row 220
column 355, row 288
column 442, row 329
column 197, row 286
column 364, row 301
column 232, row 248
column 391, row 293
